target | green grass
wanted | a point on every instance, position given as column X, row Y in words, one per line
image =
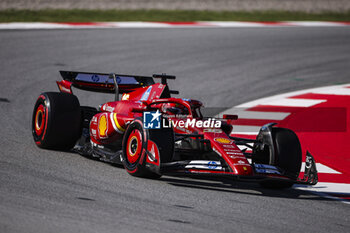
column 51, row 15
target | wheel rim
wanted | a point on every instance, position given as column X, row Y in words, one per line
column 39, row 123
column 134, row 146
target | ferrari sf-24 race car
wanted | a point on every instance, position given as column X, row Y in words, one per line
column 151, row 133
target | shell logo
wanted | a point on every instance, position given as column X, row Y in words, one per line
column 102, row 126
column 223, row 140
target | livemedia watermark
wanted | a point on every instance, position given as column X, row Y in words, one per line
column 155, row 120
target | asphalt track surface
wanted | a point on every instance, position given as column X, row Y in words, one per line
column 53, row 191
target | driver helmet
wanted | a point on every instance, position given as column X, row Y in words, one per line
column 174, row 109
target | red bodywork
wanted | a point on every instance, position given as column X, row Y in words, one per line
column 113, row 118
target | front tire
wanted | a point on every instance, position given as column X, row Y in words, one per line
column 56, row 122
column 288, row 156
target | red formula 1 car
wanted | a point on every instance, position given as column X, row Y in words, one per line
column 151, row 133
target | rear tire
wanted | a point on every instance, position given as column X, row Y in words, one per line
column 56, row 122
column 288, row 156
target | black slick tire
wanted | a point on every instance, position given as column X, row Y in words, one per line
column 56, row 122
column 288, row 156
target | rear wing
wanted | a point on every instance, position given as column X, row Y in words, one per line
column 102, row 82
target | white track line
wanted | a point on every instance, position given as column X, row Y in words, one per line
column 286, row 102
column 244, row 114
column 198, row 24
column 327, row 187
column 32, row 26
column 322, row 191
column 313, row 23
column 262, row 115
column 233, row 24
column 246, row 129
column 335, row 91
column 135, row 25
column 321, row 168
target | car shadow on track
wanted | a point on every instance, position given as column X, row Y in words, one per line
column 232, row 186
column 238, row 187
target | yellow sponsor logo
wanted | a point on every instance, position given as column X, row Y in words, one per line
column 223, row 140
column 126, row 97
column 102, row 126
column 117, row 123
